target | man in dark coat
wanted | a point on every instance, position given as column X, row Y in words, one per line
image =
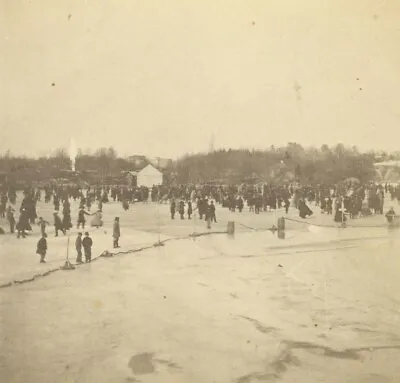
column 182, row 209
column 87, row 244
column 11, row 219
column 42, row 248
column 81, row 218
column 189, row 209
column 240, row 204
column 286, row 204
column 58, row 225
column 23, row 224
column 172, row 209
column 304, row 210
column 116, row 232
column 212, row 212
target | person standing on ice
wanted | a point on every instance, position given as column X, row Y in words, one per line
column 3, row 205
column 78, row 247
column 41, row 248
column 97, row 220
column 208, row 215
column 287, row 204
column 189, row 209
column 116, row 232
column 42, row 224
column 182, row 209
column 23, row 224
column 58, row 225
column 212, row 212
column 87, row 244
column 81, row 218
column 11, row 219
column 173, row 208
column 125, row 204
column 240, row 204
column 304, row 210
column 67, row 215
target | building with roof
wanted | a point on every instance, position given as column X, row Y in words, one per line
column 147, row 171
column 148, row 175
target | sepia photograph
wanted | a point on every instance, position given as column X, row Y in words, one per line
column 199, row 191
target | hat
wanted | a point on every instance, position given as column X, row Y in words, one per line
column 117, row 218
column 86, row 233
column 79, row 233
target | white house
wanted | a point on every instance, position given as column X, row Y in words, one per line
column 149, row 176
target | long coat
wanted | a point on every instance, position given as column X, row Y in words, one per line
column 116, row 230
column 97, row 220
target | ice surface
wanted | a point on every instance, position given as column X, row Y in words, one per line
column 319, row 306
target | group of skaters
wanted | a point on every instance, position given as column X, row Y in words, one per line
column 28, row 217
column 342, row 201
column 204, row 206
column 84, row 243
column 345, row 200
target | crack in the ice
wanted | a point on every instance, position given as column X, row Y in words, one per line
column 259, row 326
column 285, row 358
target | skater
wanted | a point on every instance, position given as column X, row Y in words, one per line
column 97, row 220
column 286, row 205
column 208, row 214
column 42, row 224
column 182, row 209
column 58, row 225
column 87, row 244
column 42, row 248
column 81, row 218
column 23, row 224
column 240, row 204
column 172, row 209
column 78, row 247
column 189, row 210
column 67, row 216
column 3, row 205
column 116, row 232
column 212, row 212
column 125, row 204
column 11, row 219
column 304, row 210
column 329, row 205
column 340, row 213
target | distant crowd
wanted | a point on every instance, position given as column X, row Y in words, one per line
column 342, row 201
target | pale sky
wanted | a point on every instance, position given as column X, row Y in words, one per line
column 159, row 77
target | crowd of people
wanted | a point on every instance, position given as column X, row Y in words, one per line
column 342, row 201
column 60, row 197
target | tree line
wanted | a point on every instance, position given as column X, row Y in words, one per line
column 291, row 162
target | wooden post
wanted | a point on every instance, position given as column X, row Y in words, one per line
column 281, row 224
column 231, row 228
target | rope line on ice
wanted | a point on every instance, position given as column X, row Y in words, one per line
column 106, row 254
column 334, row 226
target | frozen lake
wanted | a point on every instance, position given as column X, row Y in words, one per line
column 319, row 306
